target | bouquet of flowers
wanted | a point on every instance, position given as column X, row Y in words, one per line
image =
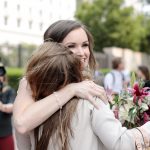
column 132, row 105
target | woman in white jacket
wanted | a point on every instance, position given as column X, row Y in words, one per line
column 79, row 125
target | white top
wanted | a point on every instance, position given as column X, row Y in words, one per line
column 93, row 130
column 114, row 81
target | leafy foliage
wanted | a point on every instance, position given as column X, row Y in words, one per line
column 114, row 25
column 14, row 75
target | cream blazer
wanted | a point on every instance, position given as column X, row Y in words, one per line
column 93, row 130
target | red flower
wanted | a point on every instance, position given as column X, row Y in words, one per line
column 146, row 117
column 116, row 113
column 139, row 94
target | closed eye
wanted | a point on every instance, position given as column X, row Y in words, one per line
column 85, row 45
column 71, row 46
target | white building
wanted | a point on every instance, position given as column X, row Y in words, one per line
column 139, row 6
column 24, row 21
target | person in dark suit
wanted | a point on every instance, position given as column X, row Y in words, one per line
column 7, row 96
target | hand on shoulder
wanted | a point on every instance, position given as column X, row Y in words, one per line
column 87, row 90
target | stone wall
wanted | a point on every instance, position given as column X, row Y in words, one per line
column 131, row 59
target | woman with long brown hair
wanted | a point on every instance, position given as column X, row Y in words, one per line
column 27, row 113
column 77, row 124
column 143, row 73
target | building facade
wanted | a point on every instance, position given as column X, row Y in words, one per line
column 24, row 21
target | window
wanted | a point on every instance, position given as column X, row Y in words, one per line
column 18, row 7
column 5, row 20
column 40, row 12
column 30, row 10
column 18, row 22
column 41, row 26
column 5, row 4
column 30, row 24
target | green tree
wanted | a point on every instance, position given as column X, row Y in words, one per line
column 112, row 24
column 145, row 43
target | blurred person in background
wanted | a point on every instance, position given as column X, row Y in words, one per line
column 98, row 76
column 143, row 73
column 7, row 96
column 115, row 80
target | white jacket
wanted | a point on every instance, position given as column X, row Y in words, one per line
column 93, row 130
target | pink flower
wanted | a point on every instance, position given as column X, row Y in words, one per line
column 116, row 113
column 139, row 94
column 146, row 117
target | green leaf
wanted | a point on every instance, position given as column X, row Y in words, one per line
column 141, row 84
column 132, row 114
column 144, row 107
column 133, row 79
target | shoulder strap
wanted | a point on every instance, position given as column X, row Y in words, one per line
column 123, row 77
column 113, row 77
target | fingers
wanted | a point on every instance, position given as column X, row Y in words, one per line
column 92, row 84
column 88, row 89
column 98, row 88
column 92, row 101
column 101, row 95
column 98, row 91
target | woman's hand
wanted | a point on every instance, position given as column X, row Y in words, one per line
column 87, row 90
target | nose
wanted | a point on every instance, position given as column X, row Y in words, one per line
column 80, row 51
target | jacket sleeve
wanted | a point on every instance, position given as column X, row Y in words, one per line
column 23, row 141
column 110, row 131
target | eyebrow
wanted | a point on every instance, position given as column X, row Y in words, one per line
column 86, row 42
column 75, row 43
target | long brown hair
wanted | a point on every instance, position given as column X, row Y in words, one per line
column 49, row 69
column 60, row 29
column 145, row 72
